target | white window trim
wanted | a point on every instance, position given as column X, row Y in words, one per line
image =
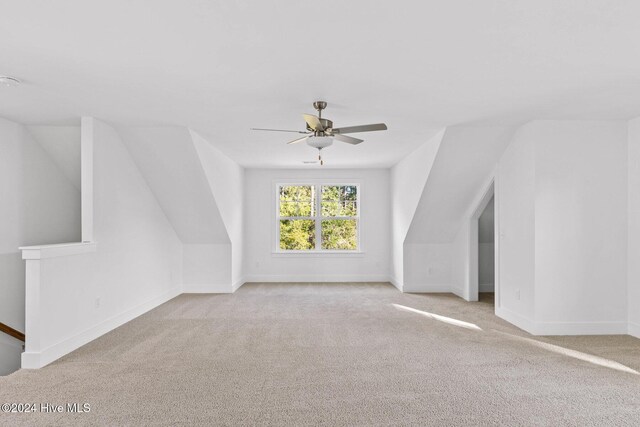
column 318, row 183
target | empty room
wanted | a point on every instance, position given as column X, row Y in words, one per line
column 344, row 213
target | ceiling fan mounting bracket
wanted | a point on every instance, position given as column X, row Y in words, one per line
column 320, row 105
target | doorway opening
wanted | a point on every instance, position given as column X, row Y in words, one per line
column 486, row 253
column 482, row 280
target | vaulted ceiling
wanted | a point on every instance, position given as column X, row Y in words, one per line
column 222, row 67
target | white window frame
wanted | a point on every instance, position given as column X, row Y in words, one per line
column 318, row 184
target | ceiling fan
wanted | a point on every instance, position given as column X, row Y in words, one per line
column 320, row 132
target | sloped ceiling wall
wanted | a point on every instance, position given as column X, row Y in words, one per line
column 226, row 183
column 467, row 155
column 408, row 178
column 168, row 160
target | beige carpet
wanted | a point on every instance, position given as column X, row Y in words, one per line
column 334, row 354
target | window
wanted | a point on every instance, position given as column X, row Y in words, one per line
column 313, row 217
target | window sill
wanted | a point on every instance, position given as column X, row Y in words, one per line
column 317, row 254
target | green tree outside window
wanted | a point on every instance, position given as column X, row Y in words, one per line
column 336, row 226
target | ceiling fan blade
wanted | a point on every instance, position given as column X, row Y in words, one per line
column 347, row 139
column 298, row 140
column 280, row 130
column 313, row 122
column 363, row 128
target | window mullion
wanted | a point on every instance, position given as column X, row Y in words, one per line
column 318, row 216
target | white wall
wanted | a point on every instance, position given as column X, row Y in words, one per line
column 515, row 207
column 562, row 207
column 38, row 204
column 10, row 351
column 431, row 269
column 261, row 264
column 200, row 191
column 581, row 224
column 407, row 180
column 207, row 268
column 136, row 267
column 633, row 255
column 486, row 261
column 460, row 262
column 226, row 180
column 130, row 227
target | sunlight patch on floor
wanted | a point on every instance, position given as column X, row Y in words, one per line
column 439, row 318
column 596, row 360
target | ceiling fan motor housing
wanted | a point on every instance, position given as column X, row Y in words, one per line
column 326, row 124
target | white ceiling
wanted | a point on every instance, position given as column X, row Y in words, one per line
column 221, row 67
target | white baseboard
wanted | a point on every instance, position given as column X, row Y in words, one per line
column 459, row 292
column 208, row 288
column 486, row 287
column 581, row 328
column 238, row 284
column 35, row 360
column 634, row 329
column 316, row 278
column 213, row 288
column 395, row 283
column 516, row 319
column 426, row 288
column 563, row 328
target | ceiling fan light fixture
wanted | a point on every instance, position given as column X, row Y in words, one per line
column 320, row 142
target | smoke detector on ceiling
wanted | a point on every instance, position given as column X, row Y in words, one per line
column 9, row 81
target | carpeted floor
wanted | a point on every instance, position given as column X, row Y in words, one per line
column 334, row 354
